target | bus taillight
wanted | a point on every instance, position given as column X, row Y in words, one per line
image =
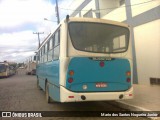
column 128, row 73
column 128, row 80
column 70, row 80
column 71, row 72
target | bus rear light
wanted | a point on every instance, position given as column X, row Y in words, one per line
column 128, row 80
column 70, row 80
column 101, row 64
column 71, row 72
column 128, row 73
column 70, row 96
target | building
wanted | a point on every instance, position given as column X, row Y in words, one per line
column 144, row 18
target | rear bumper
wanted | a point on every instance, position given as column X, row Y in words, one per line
column 68, row 96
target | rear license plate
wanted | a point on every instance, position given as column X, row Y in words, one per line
column 101, row 85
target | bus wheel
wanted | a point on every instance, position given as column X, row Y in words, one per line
column 48, row 98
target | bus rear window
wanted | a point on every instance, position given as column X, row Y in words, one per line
column 99, row 37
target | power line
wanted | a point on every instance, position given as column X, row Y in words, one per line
column 111, row 7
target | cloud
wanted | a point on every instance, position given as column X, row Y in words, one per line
column 17, row 12
column 19, row 19
column 17, row 38
column 17, row 45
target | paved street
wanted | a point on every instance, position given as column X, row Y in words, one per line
column 20, row 93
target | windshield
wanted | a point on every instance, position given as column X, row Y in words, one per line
column 99, row 37
column 2, row 67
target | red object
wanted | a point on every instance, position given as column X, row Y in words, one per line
column 70, row 96
column 70, row 80
column 101, row 64
column 128, row 79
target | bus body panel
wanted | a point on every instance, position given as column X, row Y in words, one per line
column 42, row 83
column 41, row 75
column 52, row 72
column 49, row 72
column 89, row 72
column 54, row 92
column 69, row 96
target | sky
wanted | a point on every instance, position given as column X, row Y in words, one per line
column 19, row 19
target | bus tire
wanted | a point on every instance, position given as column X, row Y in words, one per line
column 48, row 98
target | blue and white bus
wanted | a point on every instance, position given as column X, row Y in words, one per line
column 86, row 59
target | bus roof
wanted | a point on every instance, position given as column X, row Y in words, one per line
column 97, row 20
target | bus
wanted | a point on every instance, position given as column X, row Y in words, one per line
column 7, row 69
column 86, row 59
column 31, row 67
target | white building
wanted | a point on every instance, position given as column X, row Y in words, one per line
column 144, row 17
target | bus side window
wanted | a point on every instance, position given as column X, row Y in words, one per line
column 56, row 42
column 56, row 45
column 45, row 52
column 50, row 49
column 38, row 57
column 41, row 56
column 53, row 42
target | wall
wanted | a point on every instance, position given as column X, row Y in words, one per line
column 147, row 43
column 74, row 5
column 139, row 8
column 109, row 4
column 118, row 14
column 88, row 7
column 146, row 31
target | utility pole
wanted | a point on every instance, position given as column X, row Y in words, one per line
column 57, row 11
column 38, row 33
